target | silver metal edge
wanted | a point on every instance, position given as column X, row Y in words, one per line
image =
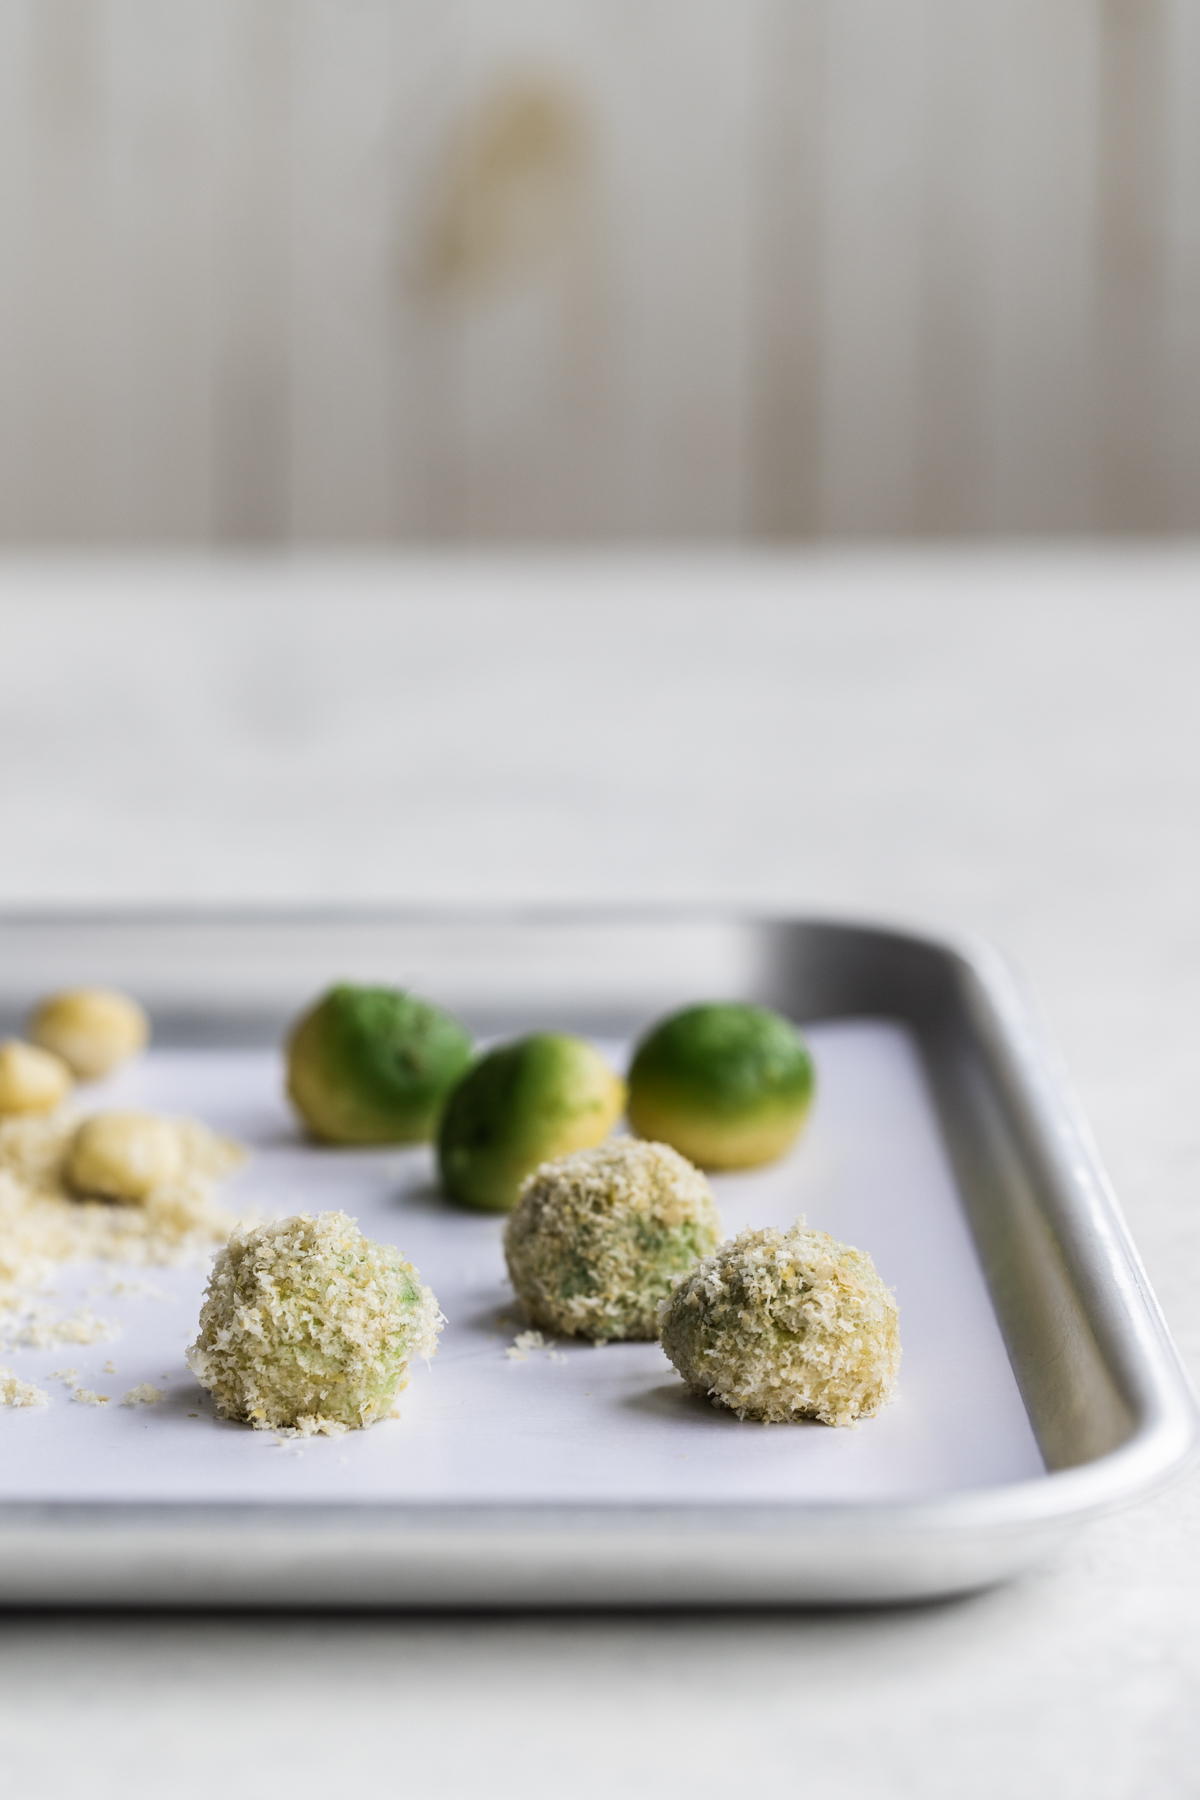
column 1000, row 1530
column 1160, row 1387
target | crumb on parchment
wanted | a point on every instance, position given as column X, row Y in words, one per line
column 523, row 1343
column 15, row 1392
column 29, row 1324
column 145, row 1394
column 42, row 1223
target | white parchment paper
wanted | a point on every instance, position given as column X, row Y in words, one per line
column 589, row 1424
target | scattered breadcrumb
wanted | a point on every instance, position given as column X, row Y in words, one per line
column 142, row 1395
column 32, row 1325
column 118, row 1289
column 15, row 1392
column 42, row 1224
column 108, row 1367
column 67, row 1375
column 523, row 1343
column 310, row 1425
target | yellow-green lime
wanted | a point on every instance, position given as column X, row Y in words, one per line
column 373, row 1065
column 727, row 1084
column 523, row 1104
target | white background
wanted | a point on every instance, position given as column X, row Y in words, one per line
column 1009, row 745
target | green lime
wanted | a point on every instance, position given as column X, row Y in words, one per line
column 521, row 1105
column 726, row 1084
column 373, row 1065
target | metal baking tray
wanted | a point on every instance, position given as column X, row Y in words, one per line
column 1039, row 1385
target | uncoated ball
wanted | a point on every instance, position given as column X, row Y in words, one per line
column 124, row 1155
column 308, row 1325
column 598, row 1238
column 782, row 1325
column 31, row 1080
column 94, row 1030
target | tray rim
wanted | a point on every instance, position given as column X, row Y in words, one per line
column 1164, row 1436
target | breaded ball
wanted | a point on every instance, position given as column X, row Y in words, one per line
column 124, row 1155
column 94, row 1030
column 597, row 1239
column 31, row 1080
column 308, row 1326
column 373, row 1065
column 524, row 1102
column 728, row 1084
column 780, row 1325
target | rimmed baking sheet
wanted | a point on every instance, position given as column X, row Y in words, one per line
column 1039, row 1385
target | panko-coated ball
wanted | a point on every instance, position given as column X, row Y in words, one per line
column 781, row 1325
column 728, row 1084
column 307, row 1325
column 597, row 1239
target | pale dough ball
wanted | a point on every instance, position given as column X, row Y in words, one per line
column 124, row 1155
column 31, row 1080
column 94, row 1030
column 780, row 1325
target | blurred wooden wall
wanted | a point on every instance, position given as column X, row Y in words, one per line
column 338, row 270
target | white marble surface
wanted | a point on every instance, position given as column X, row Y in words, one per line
column 1009, row 744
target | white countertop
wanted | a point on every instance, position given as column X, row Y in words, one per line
column 1010, row 744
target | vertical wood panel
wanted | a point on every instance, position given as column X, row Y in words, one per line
column 683, row 202
column 1131, row 394
column 56, row 268
column 787, row 319
column 1181, row 397
column 876, row 96
column 1042, row 287
column 348, row 82
column 252, row 239
column 158, row 225
column 953, row 450
column 16, row 99
column 771, row 267
column 525, row 310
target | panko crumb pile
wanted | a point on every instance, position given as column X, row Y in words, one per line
column 43, row 1224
